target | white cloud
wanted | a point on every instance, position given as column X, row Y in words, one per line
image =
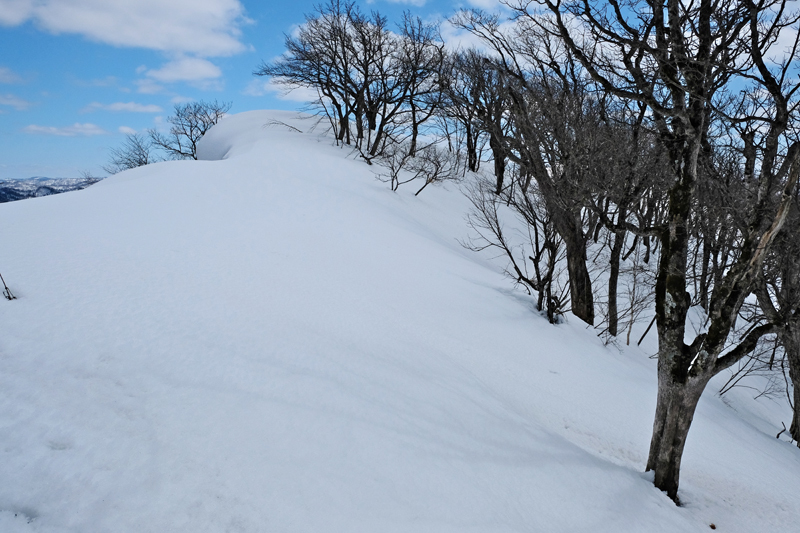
column 192, row 69
column 200, row 27
column 76, row 129
column 282, row 92
column 129, row 107
column 13, row 12
column 8, row 76
column 418, row 3
column 126, row 130
column 17, row 103
column 146, row 86
column 488, row 5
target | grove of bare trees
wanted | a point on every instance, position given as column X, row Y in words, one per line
column 188, row 124
column 648, row 149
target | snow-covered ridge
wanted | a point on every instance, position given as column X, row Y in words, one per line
column 270, row 340
column 20, row 189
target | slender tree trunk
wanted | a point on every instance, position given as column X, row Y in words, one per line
column 580, row 283
column 613, row 277
column 472, row 152
column 414, row 132
column 704, row 277
column 378, row 140
column 359, row 118
column 790, row 338
column 498, row 154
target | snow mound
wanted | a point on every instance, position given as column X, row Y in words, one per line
column 271, row 340
column 238, row 134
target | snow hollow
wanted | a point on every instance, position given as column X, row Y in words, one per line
column 270, row 340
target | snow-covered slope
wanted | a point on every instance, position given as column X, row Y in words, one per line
column 272, row 341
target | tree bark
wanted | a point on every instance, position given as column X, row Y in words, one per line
column 472, row 151
column 675, row 408
column 580, row 282
column 613, row 278
column 498, row 154
column 790, row 339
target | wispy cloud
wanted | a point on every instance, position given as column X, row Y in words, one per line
column 282, row 92
column 128, row 107
column 77, row 129
column 17, row 103
column 9, row 76
column 147, row 86
column 190, row 69
column 195, row 71
column 199, row 27
column 126, row 130
column 186, row 31
column 489, row 5
column 418, row 3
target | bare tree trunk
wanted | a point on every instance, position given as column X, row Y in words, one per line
column 414, row 131
column 472, row 151
column 613, row 278
column 704, row 277
column 675, row 408
column 378, row 140
column 570, row 230
column 580, row 283
column 359, row 119
column 498, row 154
column 790, row 339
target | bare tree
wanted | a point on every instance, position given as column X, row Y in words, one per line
column 458, row 85
column 187, row 126
column 319, row 57
column 778, row 292
column 382, row 84
column 421, row 55
column 136, row 151
column 680, row 58
column 553, row 132
column 476, row 98
column 534, row 257
column 429, row 164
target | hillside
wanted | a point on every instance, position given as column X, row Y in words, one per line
column 271, row 340
column 13, row 190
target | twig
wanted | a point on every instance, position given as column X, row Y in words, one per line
column 7, row 292
column 647, row 331
column 279, row 123
column 781, row 431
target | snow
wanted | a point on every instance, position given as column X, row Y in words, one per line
column 271, row 340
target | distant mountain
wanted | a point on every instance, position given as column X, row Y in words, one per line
column 20, row 189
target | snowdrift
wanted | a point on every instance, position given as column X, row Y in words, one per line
column 271, row 340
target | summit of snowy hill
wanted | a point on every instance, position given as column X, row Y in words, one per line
column 270, row 340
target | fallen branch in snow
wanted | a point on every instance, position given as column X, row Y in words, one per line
column 6, row 290
column 280, row 123
column 781, row 431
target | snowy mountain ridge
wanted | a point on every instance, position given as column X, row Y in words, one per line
column 20, row 189
column 277, row 342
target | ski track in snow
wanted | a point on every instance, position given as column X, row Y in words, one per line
column 271, row 340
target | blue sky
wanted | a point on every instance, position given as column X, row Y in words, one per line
column 77, row 75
